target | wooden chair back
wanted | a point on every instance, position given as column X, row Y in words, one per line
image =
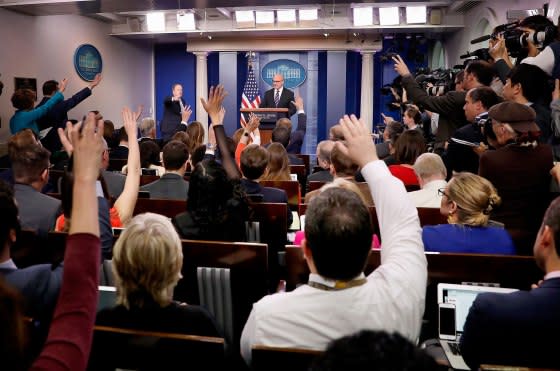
column 313, row 185
column 306, row 162
column 442, row 268
column 120, row 348
column 301, row 173
column 248, row 264
column 147, row 179
column 168, row 208
column 266, row 358
column 290, row 186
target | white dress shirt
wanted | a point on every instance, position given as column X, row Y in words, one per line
column 428, row 196
column 392, row 299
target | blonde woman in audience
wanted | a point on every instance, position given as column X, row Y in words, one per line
column 147, row 262
column 279, row 165
column 467, row 201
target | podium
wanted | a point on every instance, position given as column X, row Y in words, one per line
column 268, row 117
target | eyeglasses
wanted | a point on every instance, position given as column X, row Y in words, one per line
column 277, row 81
column 441, row 192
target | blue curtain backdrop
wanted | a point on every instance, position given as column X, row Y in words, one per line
column 172, row 64
column 327, row 92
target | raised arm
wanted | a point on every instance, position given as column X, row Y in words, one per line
column 214, row 109
column 41, row 111
column 402, row 256
column 71, row 332
column 127, row 200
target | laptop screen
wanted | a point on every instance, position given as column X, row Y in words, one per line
column 463, row 296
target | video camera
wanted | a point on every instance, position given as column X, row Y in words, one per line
column 517, row 40
column 436, row 82
column 479, row 54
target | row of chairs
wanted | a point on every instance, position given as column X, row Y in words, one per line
column 246, row 264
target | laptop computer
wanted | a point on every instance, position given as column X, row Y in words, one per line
column 454, row 302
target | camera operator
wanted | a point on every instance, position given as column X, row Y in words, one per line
column 450, row 105
column 533, row 26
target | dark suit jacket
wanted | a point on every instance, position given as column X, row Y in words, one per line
column 37, row 211
column 543, row 120
column 294, row 160
column 460, row 157
column 286, row 99
column 273, row 195
column 39, row 286
column 320, row 176
column 449, row 106
column 297, row 136
column 169, row 186
column 171, row 121
column 115, row 182
column 519, row 329
column 120, row 152
column 57, row 117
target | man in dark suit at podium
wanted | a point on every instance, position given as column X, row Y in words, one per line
column 279, row 97
column 174, row 113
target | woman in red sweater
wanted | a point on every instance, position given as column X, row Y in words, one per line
column 408, row 147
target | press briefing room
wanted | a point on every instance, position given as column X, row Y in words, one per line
column 186, row 185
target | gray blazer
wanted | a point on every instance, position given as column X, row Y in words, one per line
column 115, row 182
column 170, row 186
column 37, row 211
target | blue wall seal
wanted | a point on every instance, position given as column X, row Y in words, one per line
column 293, row 72
column 87, row 61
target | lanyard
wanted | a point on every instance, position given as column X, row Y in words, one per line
column 338, row 285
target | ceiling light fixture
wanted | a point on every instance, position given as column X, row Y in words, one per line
column 363, row 16
column 416, row 14
column 245, row 18
column 389, row 16
column 264, row 18
column 155, row 22
column 185, row 21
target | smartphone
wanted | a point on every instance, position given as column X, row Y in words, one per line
column 447, row 328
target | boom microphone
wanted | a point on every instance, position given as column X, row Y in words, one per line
column 481, row 39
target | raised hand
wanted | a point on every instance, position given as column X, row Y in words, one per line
column 214, row 103
column 358, row 144
column 386, row 119
column 556, row 91
column 400, row 67
column 186, row 114
column 298, row 103
column 62, row 85
column 129, row 123
column 253, row 124
column 96, row 80
column 87, row 148
column 65, row 139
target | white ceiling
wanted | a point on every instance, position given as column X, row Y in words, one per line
column 216, row 17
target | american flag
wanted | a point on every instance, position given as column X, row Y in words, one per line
column 250, row 97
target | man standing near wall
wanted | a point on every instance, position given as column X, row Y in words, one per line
column 175, row 113
column 58, row 114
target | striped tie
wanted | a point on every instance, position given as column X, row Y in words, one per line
column 277, row 97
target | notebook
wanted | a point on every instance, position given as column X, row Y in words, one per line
column 462, row 297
